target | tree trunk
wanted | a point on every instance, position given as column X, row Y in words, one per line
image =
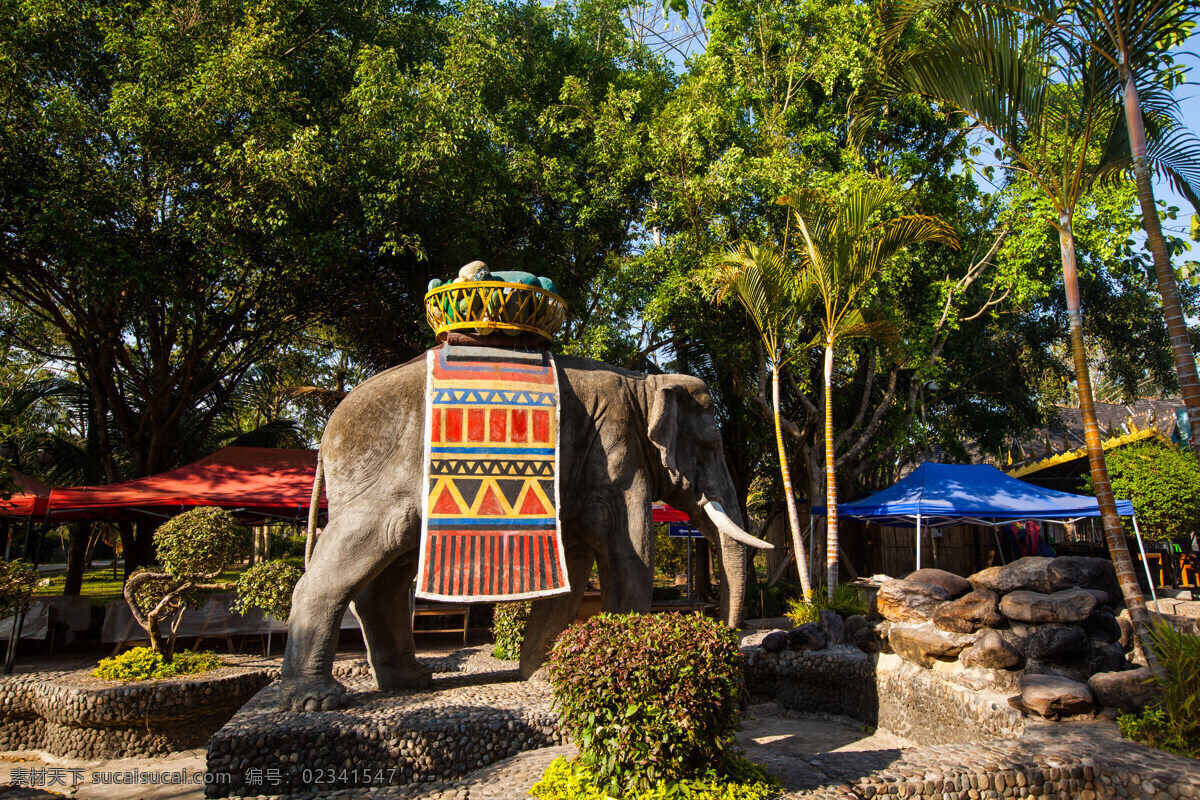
column 831, row 518
column 81, row 532
column 1113, row 532
column 789, row 493
column 1177, row 329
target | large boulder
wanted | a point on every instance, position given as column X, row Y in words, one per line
column 775, row 641
column 1056, row 643
column 867, row 640
column 990, row 651
column 855, row 623
column 925, row 645
column 955, row 585
column 1127, row 690
column 908, row 601
column 1052, row 696
column 809, row 636
column 1102, row 626
column 1068, row 606
column 1106, row 658
column 1066, row 572
column 1024, row 573
column 831, row 623
column 969, row 613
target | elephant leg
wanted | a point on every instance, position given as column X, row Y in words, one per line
column 627, row 562
column 384, row 609
column 348, row 555
column 550, row 616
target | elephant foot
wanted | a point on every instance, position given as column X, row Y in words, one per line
column 412, row 675
column 312, row 694
column 539, row 675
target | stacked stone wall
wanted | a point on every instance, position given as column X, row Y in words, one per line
column 74, row 715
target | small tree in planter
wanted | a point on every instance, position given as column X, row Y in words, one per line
column 268, row 586
column 17, row 581
column 192, row 548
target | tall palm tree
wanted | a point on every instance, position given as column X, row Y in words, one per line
column 1133, row 37
column 1061, row 128
column 770, row 289
column 845, row 244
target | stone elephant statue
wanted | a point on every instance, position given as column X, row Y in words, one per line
column 626, row 440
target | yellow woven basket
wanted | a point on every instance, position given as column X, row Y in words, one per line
column 485, row 307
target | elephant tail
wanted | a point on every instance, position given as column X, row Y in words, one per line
column 314, row 508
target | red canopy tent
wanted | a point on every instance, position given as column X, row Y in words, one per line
column 257, row 482
column 29, row 500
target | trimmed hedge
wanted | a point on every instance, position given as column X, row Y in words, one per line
column 649, row 698
column 143, row 663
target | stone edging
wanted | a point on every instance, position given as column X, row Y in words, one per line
column 974, row 744
column 73, row 715
column 477, row 712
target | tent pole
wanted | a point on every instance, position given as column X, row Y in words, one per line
column 918, row 540
column 1146, row 564
column 999, row 549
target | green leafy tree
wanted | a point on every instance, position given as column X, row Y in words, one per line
column 1058, row 125
column 193, row 547
column 1134, row 39
column 845, row 244
column 1162, row 482
column 17, row 581
column 771, row 291
column 166, row 197
column 268, row 585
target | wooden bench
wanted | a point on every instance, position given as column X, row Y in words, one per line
column 461, row 610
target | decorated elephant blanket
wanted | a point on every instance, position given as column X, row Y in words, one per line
column 490, row 528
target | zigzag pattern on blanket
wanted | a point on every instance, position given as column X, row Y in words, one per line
column 490, row 527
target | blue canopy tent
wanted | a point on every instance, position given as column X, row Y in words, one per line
column 970, row 494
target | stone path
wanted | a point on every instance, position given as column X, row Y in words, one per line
column 816, row 757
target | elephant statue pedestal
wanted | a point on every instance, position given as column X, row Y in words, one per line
column 476, row 712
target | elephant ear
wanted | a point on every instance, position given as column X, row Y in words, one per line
column 664, row 422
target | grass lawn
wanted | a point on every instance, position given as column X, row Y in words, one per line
column 98, row 584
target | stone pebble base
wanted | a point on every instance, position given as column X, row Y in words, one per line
column 73, row 715
column 972, row 744
column 477, row 712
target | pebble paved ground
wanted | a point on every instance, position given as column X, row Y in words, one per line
column 815, row 757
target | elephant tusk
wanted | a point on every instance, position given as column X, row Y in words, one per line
column 730, row 528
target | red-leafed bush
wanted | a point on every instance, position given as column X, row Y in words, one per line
column 648, row 698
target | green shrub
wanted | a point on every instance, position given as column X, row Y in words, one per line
column 143, row 663
column 267, row 585
column 662, row 594
column 201, row 542
column 846, row 602
column 17, row 582
column 1171, row 722
column 508, row 629
column 648, row 698
column 570, row 779
column 769, row 601
column 1162, row 481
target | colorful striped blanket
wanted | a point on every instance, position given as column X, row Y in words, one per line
column 490, row 528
